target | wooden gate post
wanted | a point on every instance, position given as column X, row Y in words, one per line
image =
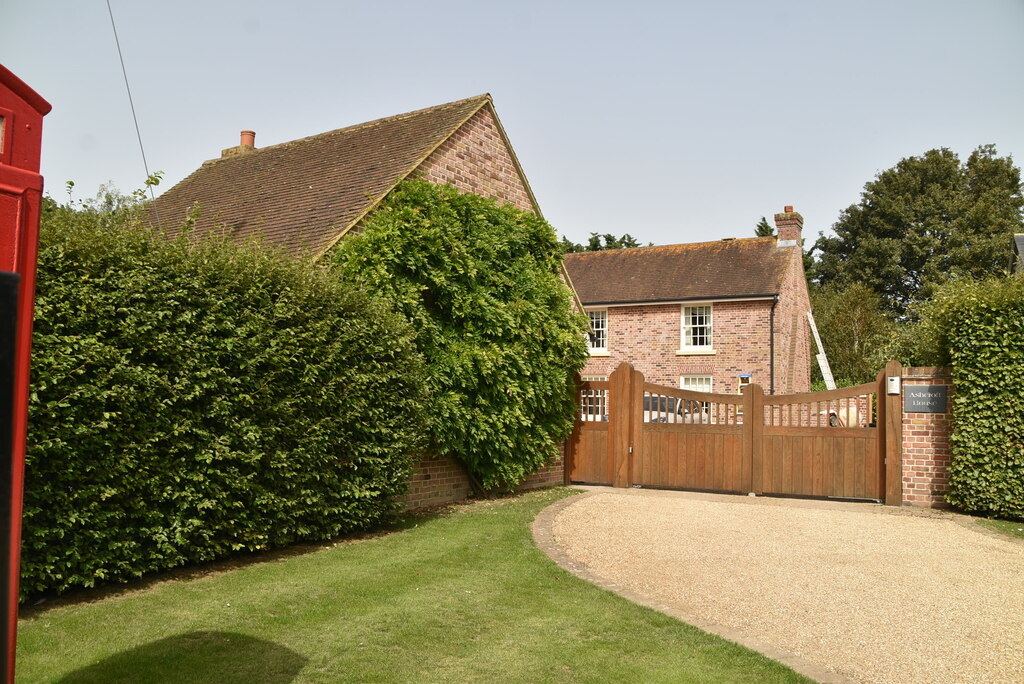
column 753, row 430
column 890, row 421
column 636, row 424
column 572, row 442
column 625, row 399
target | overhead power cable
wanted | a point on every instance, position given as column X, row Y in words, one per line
column 131, row 103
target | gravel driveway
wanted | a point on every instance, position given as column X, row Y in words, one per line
column 839, row 591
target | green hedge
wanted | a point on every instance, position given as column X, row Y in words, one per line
column 978, row 329
column 480, row 284
column 191, row 402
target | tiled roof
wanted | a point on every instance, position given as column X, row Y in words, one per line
column 703, row 270
column 305, row 194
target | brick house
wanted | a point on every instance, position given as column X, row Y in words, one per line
column 304, row 196
column 706, row 316
column 307, row 194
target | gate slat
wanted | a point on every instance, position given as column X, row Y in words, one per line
column 839, row 469
column 675, row 459
column 787, row 462
column 649, row 454
column 807, row 476
column 718, row 460
column 665, row 468
column 711, row 474
column 849, row 468
column 657, row 467
column 700, row 461
column 818, row 486
column 668, row 453
column 861, row 469
column 689, row 478
column 871, row 478
column 728, row 473
column 734, row 471
column 777, row 459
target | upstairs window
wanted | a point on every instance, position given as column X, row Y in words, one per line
column 599, row 331
column 696, row 328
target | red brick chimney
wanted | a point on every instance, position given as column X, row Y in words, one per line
column 788, row 227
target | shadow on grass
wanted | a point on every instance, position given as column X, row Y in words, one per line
column 197, row 657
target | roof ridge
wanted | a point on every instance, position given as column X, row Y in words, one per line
column 678, row 244
column 482, row 98
column 310, row 192
column 480, row 102
column 742, row 267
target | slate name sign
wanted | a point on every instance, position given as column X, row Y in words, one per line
column 924, row 398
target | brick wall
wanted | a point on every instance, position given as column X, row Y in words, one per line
column 439, row 480
column 649, row 337
column 476, row 159
column 926, row 443
column 549, row 476
column 435, row 481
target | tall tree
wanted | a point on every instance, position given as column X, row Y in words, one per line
column 854, row 330
column 927, row 220
column 763, row 229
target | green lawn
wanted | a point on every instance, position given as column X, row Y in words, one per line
column 1007, row 527
column 463, row 596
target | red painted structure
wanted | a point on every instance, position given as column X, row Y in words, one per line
column 21, row 191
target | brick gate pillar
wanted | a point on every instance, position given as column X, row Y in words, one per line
column 926, row 435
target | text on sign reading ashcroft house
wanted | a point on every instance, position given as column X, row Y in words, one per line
column 924, row 398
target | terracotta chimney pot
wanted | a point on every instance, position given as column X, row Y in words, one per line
column 248, row 139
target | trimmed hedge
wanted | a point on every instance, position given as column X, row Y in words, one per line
column 480, row 284
column 190, row 402
column 978, row 328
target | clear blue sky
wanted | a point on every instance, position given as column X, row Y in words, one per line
column 672, row 121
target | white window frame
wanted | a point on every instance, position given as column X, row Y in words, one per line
column 686, row 314
column 598, row 331
column 594, row 403
column 687, row 382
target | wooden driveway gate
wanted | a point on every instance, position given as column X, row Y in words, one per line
column 822, row 444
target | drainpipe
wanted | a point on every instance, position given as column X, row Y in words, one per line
column 771, row 346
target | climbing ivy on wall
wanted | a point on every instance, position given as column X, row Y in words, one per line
column 479, row 282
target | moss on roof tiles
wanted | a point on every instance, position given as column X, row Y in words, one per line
column 720, row 269
column 303, row 195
